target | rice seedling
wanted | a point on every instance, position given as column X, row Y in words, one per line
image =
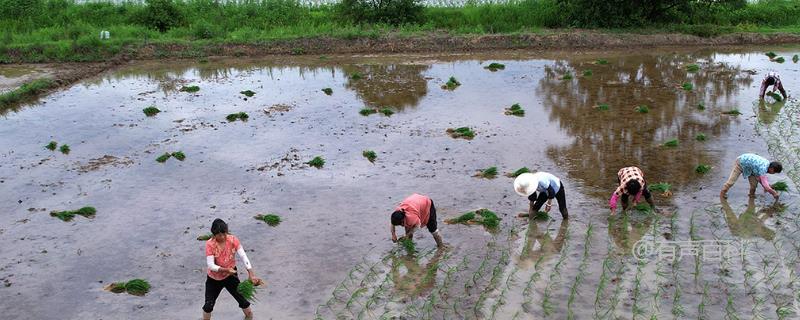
column 205, row 237
column 151, row 111
column 370, row 155
column 701, row 106
column 116, row 287
column 488, row 173
column 248, row 290
column 602, row 106
column 51, row 146
column 451, row 84
column 732, row 112
column 179, row 155
column 779, row 60
column 775, row 96
column 671, row 143
column 771, row 55
column 677, row 307
column 387, row 112
column 795, row 58
column 164, row 157
column 601, row 61
column 462, row 132
column 780, row 186
column 248, row 93
column 515, row 110
column 518, row 172
column 700, row 137
column 642, row 109
column 541, row 216
column 483, row 217
column 318, row 162
column 692, row 68
column 464, row 218
column 581, row 271
column 567, row 76
column 356, row 76
column 663, row 187
column 643, row 208
column 367, row 111
column 704, row 300
column 327, row 91
column 190, row 89
column 494, row 66
column 702, row 168
column 137, row 287
column 270, row 219
column 237, row 116
column 64, row 149
column 587, row 73
column 687, row 86
column 67, row 215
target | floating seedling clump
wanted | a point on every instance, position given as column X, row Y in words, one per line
column 702, row 168
column 642, row 109
column 270, row 219
column 367, row 111
column 370, row 155
column 328, row 91
column 464, row 218
column 567, row 76
column 671, row 143
column 687, row 86
column 795, row 58
column 408, row 245
column 775, row 96
column 700, row 137
column 771, row 55
column 248, row 93
column 151, row 111
column 205, row 237
column 779, row 60
column 451, row 84
column 179, row 155
column 489, row 173
column 732, row 112
column 51, row 146
column 515, row 110
column 64, row 149
column 692, row 68
column 494, row 66
column 86, row 212
column 463, row 132
column 541, row 216
column 643, row 208
column 248, row 290
column 163, row 158
column 587, row 73
column 136, row 287
column 602, row 107
column 237, row 116
column 190, row 89
column 387, row 112
column 356, row 76
column 483, row 217
column 701, row 106
column 317, row 162
column 601, row 61
column 663, row 187
column 780, row 186
column 518, row 172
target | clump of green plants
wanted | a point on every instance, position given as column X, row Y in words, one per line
column 643, row 208
column 462, row 132
column 270, row 219
column 515, row 110
column 151, row 111
column 775, row 96
column 451, row 84
column 356, row 76
column 387, row 112
column 700, row 137
column 190, row 89
column 518, row 172
column 601, row 61
column 408, row 245
column 687, row 86
column 771, row 55
column 367, row 111
column 701, row 106
column 464, row 218
column 567, row 76
column 489, row 173
column 164, row 157
column 732, row 112
column 587, row 73
column 317, row 162
column 370, row 155
column 483, row 217
column 702, row 168
column 237, row 116
column 205, row 237
column 248, row 290
column 26, row 91
column 64, row 149
column 795, row 58
column 779, row 60
column 671, row 143
column 137, row 287
column 494, row 66
column 178, row 155
column 51, row 146
column 117, row 287
column 248, row 93
column 780, row 186
column 541, row 216
column 86, row 212
column 642, row 109
column 602, row 107
column 328, row 91
column 692, row 68
column 663, row 187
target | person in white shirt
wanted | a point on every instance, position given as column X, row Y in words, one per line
column 539, row 188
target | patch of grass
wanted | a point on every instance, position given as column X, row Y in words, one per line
column 779, row 60
column 518, row 172
column 248, row 93
column 356, row 76
column 642, row 109
column 601, row 61
column 86, row 212
column 367, row 111
column 702, row 168
column 179, row 155
column 602, row 107
column 795, row 58
column 494, row 66
column 51, row 146
column 328, row 91
column 587, row 73
column 248, row 290
column 64, row 149
column 137, row 287
column 732, row 112
column 370, row 155
column 205, row 237
column 163, row 158
column 237, row 116
column 515, row 110
column 780, row 186
column 489, row 173
column 462, row 132
column 151, row 111
column 700, row 137
column 775, row 96
column 659, row 187
column 387, row 112
column 771, row 55
column 270, row 219
column 671, row 143
column 567, row 76
column 27, row 90
column 190, row 89
column 451, row 84
column 317, row 162
column 692, row 68
column 541, row 216
column 687, row 86
column 408, row 245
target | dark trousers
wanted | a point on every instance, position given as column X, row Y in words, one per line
column 541, row 198
column 432, row 225
column 214, row 287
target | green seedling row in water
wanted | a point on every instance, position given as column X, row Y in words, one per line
column 237, row 116
column 518, row 172
column 687, row 86
column 270, row 219
column 700, row 137
column 489, row 172
column 541, row 216
column 659, row 187
column 179, row 155
column 387, row 112
column 494, row 66
column 151, row 111
column 64, row 149
column 515, row 110
column 462, row 132
column 671, row 143
column 567, row 76
column 190, row 89
column 408, row 245
column 732, row 112
column 86, row 212
column 248, row 93
column 356, row 76
column 692, row 68
column 771, row 55
column 603, row 106
column 780, row 186
column 205, row 237
column 367, row 111
column 51, row 146
column 451, row 84
column 317, row 162
column 328, row 91
column 779, row 60
column 702, row 168
column 163, row 158
column 587, row 73
column 370, row 155
column 642, row 109
column 248, row 290
column 137, row 287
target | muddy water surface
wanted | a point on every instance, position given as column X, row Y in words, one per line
column 331, row 256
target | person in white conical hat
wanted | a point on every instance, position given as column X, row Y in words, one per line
column 541, row 188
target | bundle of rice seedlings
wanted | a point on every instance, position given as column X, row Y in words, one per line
column 190, row 89
column 671, row 143
column 248, row 290
column 179, row 155
column 642, row 109
column 387, row 112
column 51, row 146
column 237, row 116
column 518, row 172
column 163, row 158
column 488, row 173
column 151, row 111
column 702, row 168
column 541, row 216
column 370, row 155
column 687, row 86
column 643, row 207
column 587, row 73
column 205, row 237
column 700, row 137
column 601, row 61
column 779, row 60
column 771, row 55
column 732, row 112
column 462, row 132
column 659, row 187
column 775, row 96
column 317, row 162
column 567, row 76
column 795, row 58
column 602, row 106
column 692, row 68
column 780, row 186
column 86, row 212
column 367, row 111
column 137, row 287
column 248, row 93
column 271, row 219
column 328, row 91
column 64, row 149
column 488, row 218
column 408, row 245
column 451, row 84
column 356, row 76
column 515, row 110
column 464, row 218
column 116, row 287
column 701, row 106
column 494, row 66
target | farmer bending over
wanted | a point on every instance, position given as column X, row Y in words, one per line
column 631, row 184
column 755, row 168
column 772, row 79
column 547, row 186
column 222, row 271
column 414, row 212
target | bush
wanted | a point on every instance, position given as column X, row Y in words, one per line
column 394, row 12
column 161, row 15
column 204, row 30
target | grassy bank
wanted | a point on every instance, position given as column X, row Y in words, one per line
column 62, row 30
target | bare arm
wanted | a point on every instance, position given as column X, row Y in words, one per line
column 394, row 235
column 767, row 188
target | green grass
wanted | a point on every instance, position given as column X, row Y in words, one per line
column 86, row 212
column 51, row 146
column 462, row 132
column 700, row 137
column 702, row 168
column 587, row 73
column 732, row 112
column 179, row 155
column 205, row 237
column 26, row 91
column 601, row 61
column 237, row 116
column 692, row 68
column 386, row 112
column 151, row 111
column 780, row 186
column 602, row 107
column 687, row 86
column 494, row 66
column 356, row 76
column 775, row 96
column 779, row 60
column 671, row 143
column 451, row 84
column 190, row 89
column 318, row 162
column 137, row 287
column 248, row 290
column 163, row 158
column 370, row 155
column 248, row 93
column 64, row 149
column 328, row 91
column 367, row 111
column 518, row 172
column 270, row 219
column 642, row 109
column 515, row 110
column 659, row 187
column 489, row 173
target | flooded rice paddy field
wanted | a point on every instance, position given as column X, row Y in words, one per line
column 331, row 257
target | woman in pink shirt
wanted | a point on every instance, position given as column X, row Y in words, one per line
column 222, row 271
column 414, row 212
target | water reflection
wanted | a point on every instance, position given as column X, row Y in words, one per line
column 390, row 85
column 605, row 141
column 628, row 228
column 749, row 224
column 539, row 246
column 768, row 112
column 411, row 278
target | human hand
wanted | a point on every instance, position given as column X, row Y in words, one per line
column 613, row 212
column 256, row 281
column 394, row 238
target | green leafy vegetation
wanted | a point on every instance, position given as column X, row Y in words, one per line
column 51, row 146
column 489, row 173
column 659, row 187
column 484, row 217
column 567, row 76
column 86, row 212
column 795, row 58
column 602, row 107
column 248, row 93
column 179, row 155
column 732, row 112
column 151, row 111
column 494, row 66
column 587, row 73
column 190, row 89
column 28, row 90
column 367, row 111
column 541, row 216
column 317, row 162
column 775, row 96
column 237, row 116
column 643, row 208
column 64, row 149
column 692, row 68
column 356, row 76
column 687, row 86
column 671, row 143
column 370, row 155
column 270, row 219
column 700, row 137
column 701, row 106
column 164, row 157
column 642, row 109
column 464, row 218
column 518, row 172
column 248, row 290
column 462, row 132
column 386, row 112
column 515, row 110
column 702, row 168
column 451, row 84
column 328, row 91
column 779, row 60
column 408, row 245
column 780, row 186
column 205, row 237
column 137, row 287
column 771, row 55
column 601, row 61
